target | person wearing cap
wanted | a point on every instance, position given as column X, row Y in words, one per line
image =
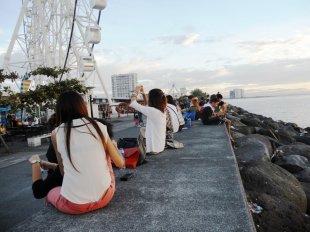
column 210, row 117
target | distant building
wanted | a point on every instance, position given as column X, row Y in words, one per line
column 122, row 84
column 236, row 93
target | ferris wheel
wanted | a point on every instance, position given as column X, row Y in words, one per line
column 57, row 33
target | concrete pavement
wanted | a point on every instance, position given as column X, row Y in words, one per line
column 197, row 188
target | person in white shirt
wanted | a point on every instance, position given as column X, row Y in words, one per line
column 174, row 116
column 155, row 131
column 84, row 152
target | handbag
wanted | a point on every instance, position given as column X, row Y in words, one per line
column 127, row 143
column 132, row 157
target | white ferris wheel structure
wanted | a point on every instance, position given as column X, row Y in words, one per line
column 57, row 33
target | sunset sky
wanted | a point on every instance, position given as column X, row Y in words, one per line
column 262, row 46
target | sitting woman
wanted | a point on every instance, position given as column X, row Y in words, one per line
column 210, row 117
column 84, row 151
column 40, row 187
column 155, row 131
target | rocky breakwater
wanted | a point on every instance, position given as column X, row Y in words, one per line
column 274, row 163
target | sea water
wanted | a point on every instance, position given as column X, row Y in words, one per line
column 295, row 109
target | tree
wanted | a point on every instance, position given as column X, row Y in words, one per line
column 44, row 95
column 7, row 76
column 198, row 93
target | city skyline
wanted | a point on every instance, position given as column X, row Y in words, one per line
column 262, row 47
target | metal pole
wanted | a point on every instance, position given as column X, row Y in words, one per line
column 91, row 105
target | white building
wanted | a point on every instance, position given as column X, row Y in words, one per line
column 122, row 84
column 237, row 93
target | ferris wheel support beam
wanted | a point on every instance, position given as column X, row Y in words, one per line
column 8, row 54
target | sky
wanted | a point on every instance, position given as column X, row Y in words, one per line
column 262, row 46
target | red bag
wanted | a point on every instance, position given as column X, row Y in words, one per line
column 132, row 157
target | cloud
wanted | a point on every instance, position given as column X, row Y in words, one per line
column 260, row 51
column 257, row 79
column 183, row 40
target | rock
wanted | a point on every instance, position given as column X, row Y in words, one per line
column 288, row 131
column 303, row 139
column 263, row 131
column 235, row 120
column 269, row 123
column 292, row 163
column 296, row 149
column 241, row 111
column 286, row 134
column 256, row 137
column 295, row 126
column 284, row 139
column 268, row 178
column 304, row 175
column 251, row 121
column 246, row 130
column 253, row 148
column 236, row 134
column 306, row 187
column 278, row 214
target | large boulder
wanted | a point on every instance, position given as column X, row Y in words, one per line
column 253, row 148
column 292, row 163
column 304, row 175
column 278, row 214
column 268, row 178
column 306, row 187
column 296, row 149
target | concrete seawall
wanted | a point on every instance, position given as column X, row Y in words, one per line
column 197, row 188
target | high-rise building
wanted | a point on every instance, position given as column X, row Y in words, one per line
column 236, row 93
column 122, row 84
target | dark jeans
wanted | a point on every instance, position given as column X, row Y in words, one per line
column 40, row 188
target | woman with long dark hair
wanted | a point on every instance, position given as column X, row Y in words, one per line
column 84, row 152
column 155, row 131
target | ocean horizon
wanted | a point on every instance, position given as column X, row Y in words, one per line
column 292, row 108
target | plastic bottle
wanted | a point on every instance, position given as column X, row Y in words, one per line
column 189, row 123
column 122, row 152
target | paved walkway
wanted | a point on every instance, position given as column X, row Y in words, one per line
column 197, row 188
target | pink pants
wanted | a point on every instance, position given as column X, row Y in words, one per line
column 66, row 206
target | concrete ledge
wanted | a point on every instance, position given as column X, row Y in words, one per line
column 197, row 188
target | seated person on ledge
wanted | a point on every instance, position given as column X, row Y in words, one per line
column 40, row 187
column 209, row 117
column 155, row 131
column 84, row 152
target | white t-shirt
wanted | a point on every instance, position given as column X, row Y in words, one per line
column 88, row 156
column 155, row 131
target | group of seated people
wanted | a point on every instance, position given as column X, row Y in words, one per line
column 80, row 175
